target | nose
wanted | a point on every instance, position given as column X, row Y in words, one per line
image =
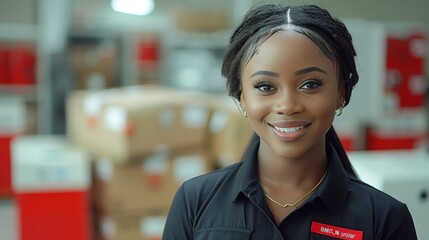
column 288, row 103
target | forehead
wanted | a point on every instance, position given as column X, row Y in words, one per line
column 291, row 48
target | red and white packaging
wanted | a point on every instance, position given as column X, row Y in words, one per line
column 51, row 182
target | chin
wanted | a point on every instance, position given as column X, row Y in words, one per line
column 288, row 150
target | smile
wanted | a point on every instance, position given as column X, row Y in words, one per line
column 292, row 132
column 288, row 130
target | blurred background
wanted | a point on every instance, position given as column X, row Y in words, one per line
column 106, row 107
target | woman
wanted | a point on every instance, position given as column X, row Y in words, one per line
column 292, row 69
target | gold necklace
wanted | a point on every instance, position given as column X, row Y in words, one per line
column 299, row 200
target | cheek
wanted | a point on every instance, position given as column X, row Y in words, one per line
column 325, row 108
column 256, row 107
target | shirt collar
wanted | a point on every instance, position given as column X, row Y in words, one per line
column 332, row 191
column 246, row 177
column 334, row 188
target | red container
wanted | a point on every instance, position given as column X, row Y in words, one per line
column 392, row 140
column 148, row 52
column 4, row 65
column 348, row 142
column 22, row 68
column 54, row 215
column 5, row 166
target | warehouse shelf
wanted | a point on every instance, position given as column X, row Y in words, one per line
column 27, row 34
column 26, row 91
column 18, row 32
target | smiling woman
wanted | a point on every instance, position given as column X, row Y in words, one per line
column 292, row 69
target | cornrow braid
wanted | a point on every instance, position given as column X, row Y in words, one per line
column 335, row 42
column 256, row 20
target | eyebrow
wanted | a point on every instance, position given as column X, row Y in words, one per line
column 266, row 73
column 309, row 69
column 297, row 73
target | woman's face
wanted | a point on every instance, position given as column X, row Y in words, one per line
column 290, row 93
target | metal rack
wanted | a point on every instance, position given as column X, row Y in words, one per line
column 27, row 34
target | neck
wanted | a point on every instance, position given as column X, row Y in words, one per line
column 276, row 170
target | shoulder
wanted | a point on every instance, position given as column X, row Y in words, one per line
column 370, row 193
column 388, row 215
column 381, row 203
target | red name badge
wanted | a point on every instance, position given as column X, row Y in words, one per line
column 336, row 232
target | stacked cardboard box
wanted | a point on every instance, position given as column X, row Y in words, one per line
column 229, row 131
column 146, row 141
column 128, row 196
column 123, row 123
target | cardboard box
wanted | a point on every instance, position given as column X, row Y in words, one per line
column 146, row 183
column 80, row 128
column 229, row 131
column 134, row 129
column 124, row 123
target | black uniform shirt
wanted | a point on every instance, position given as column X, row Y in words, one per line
column 229, row 204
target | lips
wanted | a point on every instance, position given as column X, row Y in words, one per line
column 289, row 131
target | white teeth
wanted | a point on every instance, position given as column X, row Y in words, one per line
column 289, row 130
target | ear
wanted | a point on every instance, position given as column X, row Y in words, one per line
column 242, row 100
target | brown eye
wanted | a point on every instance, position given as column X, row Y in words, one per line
column 264, row 87
column 312, row 84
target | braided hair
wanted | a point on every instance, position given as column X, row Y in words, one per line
column 327, row 32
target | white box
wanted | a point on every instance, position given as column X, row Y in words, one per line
column 48, row 162
column 402, row 174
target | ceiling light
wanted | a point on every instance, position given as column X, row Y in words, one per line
column 135, row 7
